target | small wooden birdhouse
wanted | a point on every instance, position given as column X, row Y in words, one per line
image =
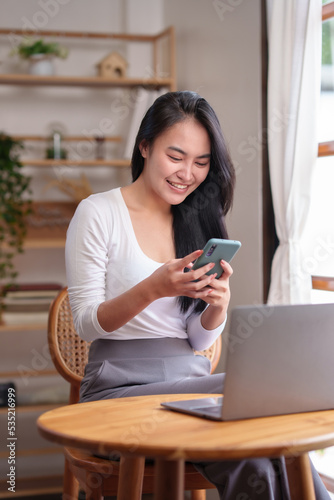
column 112, row 66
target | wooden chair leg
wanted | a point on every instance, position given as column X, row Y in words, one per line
column 198, row 495
column 70, row 484
column 93, row 486
column 300, row 478
column 168, row 479
column 130, row 480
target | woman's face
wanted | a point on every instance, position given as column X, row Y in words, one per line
column 177, row 162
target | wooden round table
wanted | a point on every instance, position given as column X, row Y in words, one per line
column 139, row 427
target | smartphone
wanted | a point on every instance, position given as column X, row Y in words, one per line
column 214, row 251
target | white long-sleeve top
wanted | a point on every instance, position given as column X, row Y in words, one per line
column 103, row 260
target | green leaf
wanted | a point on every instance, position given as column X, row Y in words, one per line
column 14, row 188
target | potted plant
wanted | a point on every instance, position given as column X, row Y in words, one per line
column 40, row 55
column 15, row 205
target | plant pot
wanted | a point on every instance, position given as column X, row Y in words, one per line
column 41, row 64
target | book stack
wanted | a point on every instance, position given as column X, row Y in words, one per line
column 28, row 303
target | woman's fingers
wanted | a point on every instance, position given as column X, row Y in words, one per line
column 222, row 282
column 227, row 270
column 194, row 283
column 187, row 261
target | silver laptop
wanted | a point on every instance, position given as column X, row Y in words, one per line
column 280, row 359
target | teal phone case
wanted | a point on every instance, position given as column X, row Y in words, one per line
column 214, row 251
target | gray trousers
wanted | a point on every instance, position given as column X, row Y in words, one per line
column 168, row 366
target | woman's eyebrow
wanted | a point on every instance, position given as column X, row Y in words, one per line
column 179, row 150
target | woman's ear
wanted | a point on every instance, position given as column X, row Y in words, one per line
column 143, row 148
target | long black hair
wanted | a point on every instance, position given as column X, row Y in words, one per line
column 202, row 214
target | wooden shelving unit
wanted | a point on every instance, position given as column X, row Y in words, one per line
column 154, row 81
column 162, row 43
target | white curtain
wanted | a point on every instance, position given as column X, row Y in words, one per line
column 294, row 43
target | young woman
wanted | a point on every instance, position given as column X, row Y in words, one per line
column 127, row 253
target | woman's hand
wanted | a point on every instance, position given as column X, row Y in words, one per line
column 219, row 295
column 218, row 299
column 171, row 280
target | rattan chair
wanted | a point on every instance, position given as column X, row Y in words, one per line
column 98, row 477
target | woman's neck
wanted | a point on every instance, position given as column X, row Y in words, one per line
column 141, row 199
column 152, row 223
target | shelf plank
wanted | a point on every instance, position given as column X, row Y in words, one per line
column 69, row 138
column 33, row 487
column 39, row 243
column 82, row 81
column 117, row 162
column 32, row 373
column 130, row 37
column 33, row 452
column 24, row 327
column 39, row 407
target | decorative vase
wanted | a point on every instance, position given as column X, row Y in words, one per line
column 41, row 64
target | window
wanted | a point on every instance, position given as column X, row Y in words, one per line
column 318, row 242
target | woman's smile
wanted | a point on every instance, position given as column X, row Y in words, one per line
column 178, row 186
